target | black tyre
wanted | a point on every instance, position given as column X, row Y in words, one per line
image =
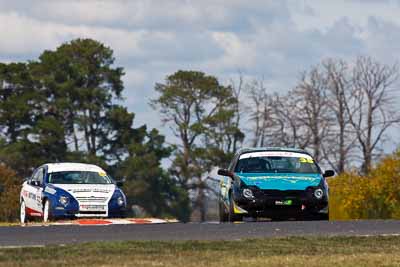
column 316, row 217
column 323, row 217
column 232, row 217
column 223, row 215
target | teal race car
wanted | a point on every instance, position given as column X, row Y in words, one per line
column 275, row 183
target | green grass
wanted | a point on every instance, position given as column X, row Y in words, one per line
column 294, row 251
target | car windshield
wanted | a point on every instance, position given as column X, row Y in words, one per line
column 79, row 177
column 277, row 164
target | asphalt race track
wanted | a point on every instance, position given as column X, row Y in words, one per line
column 64, row 234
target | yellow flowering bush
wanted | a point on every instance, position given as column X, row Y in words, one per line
column 374, row 196
column 10, row 187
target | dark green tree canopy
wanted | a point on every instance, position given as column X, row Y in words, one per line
column 64, row 107
column 200, row 112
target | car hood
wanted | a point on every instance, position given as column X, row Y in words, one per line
column 280, row 181
column 88, row 190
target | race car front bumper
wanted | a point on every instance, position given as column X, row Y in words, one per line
column 90, row 210
column 280, row 203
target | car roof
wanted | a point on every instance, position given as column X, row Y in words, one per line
column 70, row 166
column 262, row 149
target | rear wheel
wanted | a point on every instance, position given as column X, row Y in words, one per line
column 23, row 215
column 223, row 216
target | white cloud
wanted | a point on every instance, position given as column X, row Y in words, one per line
column 151, row 39
column 237, row 53
column 25, row 35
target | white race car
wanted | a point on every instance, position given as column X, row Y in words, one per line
column 59, row 190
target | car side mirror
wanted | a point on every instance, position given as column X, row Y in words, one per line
column 35, row 183
column 225, row 172
column 120, row 182
column 329, row 173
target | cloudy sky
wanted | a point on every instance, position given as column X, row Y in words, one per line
column 273, row 39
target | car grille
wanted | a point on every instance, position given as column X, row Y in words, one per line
column 101, row 191
column 91, row 190
column 283, row 193
column 81, row 190
column 93, row 212
column 92, row 199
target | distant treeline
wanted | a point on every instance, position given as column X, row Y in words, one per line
column 64, row 107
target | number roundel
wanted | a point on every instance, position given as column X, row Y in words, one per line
column 306, row 160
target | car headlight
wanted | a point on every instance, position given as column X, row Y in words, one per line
column 120, row 201
column 318, row 193
column 64, row 200
column 247, row 193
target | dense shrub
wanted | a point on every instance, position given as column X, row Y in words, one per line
column 10, row 187
column 374, row 196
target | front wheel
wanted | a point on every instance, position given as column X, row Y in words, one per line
column 232, row 217
column 23, row 216
column 323, row 217
column 47, row 216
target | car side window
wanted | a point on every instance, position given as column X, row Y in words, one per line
column 32, row 178
column 41, row 176
column 37, row 178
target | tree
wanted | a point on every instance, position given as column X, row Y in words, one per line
column 17, row 101
column 19, row 112
column 199, row 111
column 237, row 136
column 64, row 107
column 370, row 106
column 82, row 84
column 260, row 113
column 9, row 194
column 151, row 187
column 311, row 101
column 337, row 150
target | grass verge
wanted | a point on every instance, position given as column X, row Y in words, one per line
column 293, row 251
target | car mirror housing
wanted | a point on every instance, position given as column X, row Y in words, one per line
column 225, row 172
column 35, row 183
column 120, row 182
column 329, row 173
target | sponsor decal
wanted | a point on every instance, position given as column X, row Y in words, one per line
column 275, row 154
column 284, row 202
column 102, row 173
column 50, row 190
column 288, row 177
column 92, row 207
column 31, row 195
column 306, row 160
column 25, row 193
